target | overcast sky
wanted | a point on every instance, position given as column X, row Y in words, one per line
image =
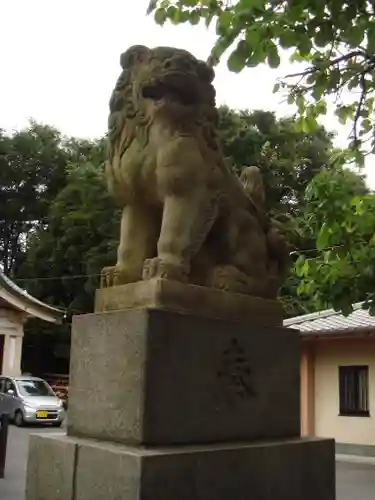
column 60, row 60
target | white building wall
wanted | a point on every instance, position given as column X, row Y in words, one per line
column 328, row 423
column 11, row 327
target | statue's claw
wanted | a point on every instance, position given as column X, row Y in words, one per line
column 159, row 268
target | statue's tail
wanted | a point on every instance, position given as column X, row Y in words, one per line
column 252, row 182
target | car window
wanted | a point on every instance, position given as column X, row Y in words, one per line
column 9, row 386
column 34, row 388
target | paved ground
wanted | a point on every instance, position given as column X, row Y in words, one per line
column 354, row 480
column 13, row 486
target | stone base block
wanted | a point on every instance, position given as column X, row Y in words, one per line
column 189, row 299
column 63, row 468
column 160, row 378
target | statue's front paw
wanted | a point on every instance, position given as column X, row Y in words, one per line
column 106, row 277
column 117, row 275
column 231, row 279
column 161, row 268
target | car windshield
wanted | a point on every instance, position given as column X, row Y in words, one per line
column 34, row 388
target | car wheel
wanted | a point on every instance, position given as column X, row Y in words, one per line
column 18, row 419
column 57, row 424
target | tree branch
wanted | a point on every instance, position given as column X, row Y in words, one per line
column 337, row 60
column 359, row 107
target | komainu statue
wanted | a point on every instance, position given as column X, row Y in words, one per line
column 185, row 215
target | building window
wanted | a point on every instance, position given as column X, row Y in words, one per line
column 353, row 386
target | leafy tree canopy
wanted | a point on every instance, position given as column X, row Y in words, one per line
column 32, row 171
column 335, row 40
column 288, row 158
column 64, row 257
column 339, row 269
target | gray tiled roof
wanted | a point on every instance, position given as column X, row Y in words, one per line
column 330, row 321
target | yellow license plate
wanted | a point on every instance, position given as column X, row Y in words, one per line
column 42, row 414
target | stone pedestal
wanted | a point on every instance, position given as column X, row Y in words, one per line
column 66, row 468
column 155, row 377
column 168, row 404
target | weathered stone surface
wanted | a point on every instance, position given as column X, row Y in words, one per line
column 157, row 377
column 189, row 299
column 293, row 469
column 186, row 215
column 51, row 466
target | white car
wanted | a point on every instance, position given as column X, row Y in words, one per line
column 30, row 400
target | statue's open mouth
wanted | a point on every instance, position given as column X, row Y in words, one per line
column 170, row 91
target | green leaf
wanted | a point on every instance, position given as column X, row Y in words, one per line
column 353, row 82
column 180, row 16
column 276, row 88
column 366, row 125
column 300, row 101
column 257, row 57
column 194, row 17
column 372, row 309
column 237, row 61
column 225, row 19
column 311, row 78
column 324, row 35
column 346, row 307
column 344, row 113
column 359, row 158
column 295, row 12
column 173, row 14
column 287, row 39
column 323, row 238
column 250, row 4
column 309, row 123
column 252, row 61
column 334, row 78
column 298, row 126
column 369, row 103
column 371, row 38
column 273, row 57
column 301, row 266
column 160, row 16
column 321, row 107
column 305, row 45
column 320, row 86
column 353, row 35
column 253, row 36
column 219, row 48
column 151, row 6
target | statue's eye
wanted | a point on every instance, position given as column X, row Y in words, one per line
column 205, row 72
column 133, row 56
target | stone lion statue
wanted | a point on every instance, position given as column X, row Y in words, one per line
column 185, row 215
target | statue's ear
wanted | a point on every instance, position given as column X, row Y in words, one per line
column 133, row 56
column 206, row 73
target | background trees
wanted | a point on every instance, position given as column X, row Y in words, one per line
column 55, row 213
column 339, row 269
column 32, row 171
column 288, row 158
